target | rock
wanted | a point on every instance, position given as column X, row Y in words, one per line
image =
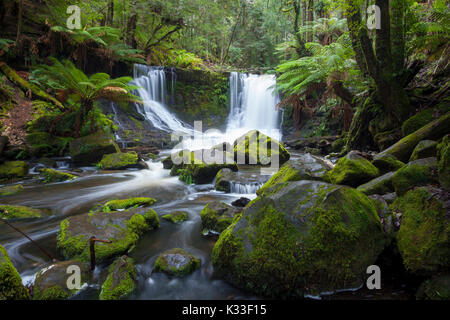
column 306, row 167
column 386, row 163
column 51, row 281
column 13, row 170
column 217, row 216
column 121, row 280
column 176, row 217
column 385, row 214
column 226, row 178
column 51, row 176
column 241, row 202
column 10, row 190
column 177, row 262
column 247, row 147
column 352, row 170
column 90, row 149
column 114, row 205
column 443, row 156
column 387, row 138
column 434, row 130
column 11, row 212
column 142, row 165
column 123, row 228
column 380, row 185
column 424, row 236
column 47, row 162
column 11, row 287
column 167, row 163
column 424, row 149
column 415, row 173
column 3, row 143
column 295, row 241
column 119, row 161
column 43, row 144
column 417, row 121
column 436, row 288
column 390, row 197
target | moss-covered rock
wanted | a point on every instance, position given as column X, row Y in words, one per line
column 90, row 149
column 177, row 262
column 305, row 238
column 167, row 163
column 306, row 167
column 387, row 163
column 119, row 161
column 123, row 228
column 417, row 121
column 176, row 217
column 424, row 149
column 10, row 190
column 114, row 205
column 424, row 236
column 435, row 288
column 11, row 287
column 51, row 281
column 121, row 280
column 380, row 185
column 226, row 178
column 217, row 216
column 43, row 144
column 13, row 170
column 443, row 157
column 51, row 176
column 352, row 170
column 415, row 173
column 203, row 173
column 12, row 212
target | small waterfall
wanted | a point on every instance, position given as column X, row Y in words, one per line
column 240, row 188
column 119, row 140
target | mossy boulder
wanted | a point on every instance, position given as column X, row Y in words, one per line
column 203, row 173
column 51, row 176
column 43, row 144
column 352, row 170
column 114, row 205
column 51, row 281
column 13, row 170
column 424, row 149
column 217, row 216
column 387, row 163
column 13, row 212
column 306, row 167
column 177, row 262
column 226, row 178
column 123, row 228
column 121, row 280
column 443, row 157
column 305, row 238
column 119, row 161
column 417, row 121
column 11, row 287
column 424, row 236
column 415, row 173
column 167, row 163
column 380, row 185
column 90, row 149
column 176, row 217
column 10, row 190
column 435, row 288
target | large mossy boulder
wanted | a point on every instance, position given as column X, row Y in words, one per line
column 122, row 228
column 90, row 149
column 415, row 173
column 443, row 156
column 256, row 148
column 435, row 288
column 306, row 237
column 217, row 216
column 352, row 170
column 51, row 176
column 119, row 161
column 177, row 262
column 13, row 212
column 380, row 185
column 10, row 190
column 417, row 121
column 13, row 170
column 387, row 163
column 121, row 280
column 306, row 167
column 227, row 178
column 424, row 149
column 51, row 282
column 424, row 236
column 11, row 287
column 203, row 173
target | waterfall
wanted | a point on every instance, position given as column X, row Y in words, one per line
column 240, row 188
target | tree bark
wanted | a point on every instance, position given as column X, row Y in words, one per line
column 110, row 13
column 398, row 8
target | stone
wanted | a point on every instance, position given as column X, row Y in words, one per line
column 177, row 262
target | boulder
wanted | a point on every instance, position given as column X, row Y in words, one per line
column 424, row 149
column 177, row 262
column 435, row 288
column 13, row 170
column 241, row 202
column 386, row 163
column 51, row 282
column 51, row 176
column 176, row 217
column 226, row 178
column 119, row 161
column 121, row 280
column 114, row 205
column 11, row 287
column 90, row 149
column 10, row 190
column 305, row 238
column 217, row 216
column 123, row 228
column 352, row 170
column 417, row 121
column 12, row 212
column 443, row 157
column 415, row 173
column 43, row 144
column 380, row 185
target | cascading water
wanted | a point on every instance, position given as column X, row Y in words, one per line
column 241, row 188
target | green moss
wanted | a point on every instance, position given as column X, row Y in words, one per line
column 52, row 293
column 217, row 216
column 177, row 262
column 176, row 217
column 285, row 174
column 13, row 170
column 380, row 185
column 423, row 239
column 10, row 190
column 117, row 161
column 417, row 121
column 424, row 149
column 43, row 144
column 11, row 212
column 114, row 205
column 90, row 149
column 416, row 173
column 121, row 280
column 352, row 171
column 443, row 156
column 11, row 287
column 152, row 219
column 51, row 176
column 387, row 163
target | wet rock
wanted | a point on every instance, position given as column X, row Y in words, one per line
column 386, row 163
column 424, row 149
column 176, row 217
column 51, row 282
column 443, row 157
column 384, row 213
column 389, row 197
column 380, row 185
column 177, row 262
column 13, row 170
column 114, row 205
column 226, row 178
column 241, row 202
column 119, row 161
column 90, row 149
column 12, row 212
column 51, row 176
column 217, row 216
column 121, row 280
column 10, row 190
column 11, row 287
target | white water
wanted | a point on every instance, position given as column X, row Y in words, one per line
column 240, row 188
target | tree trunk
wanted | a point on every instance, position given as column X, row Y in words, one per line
column 130, row 38
column 398, row 8
column 19, row 19
column 110, row 13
